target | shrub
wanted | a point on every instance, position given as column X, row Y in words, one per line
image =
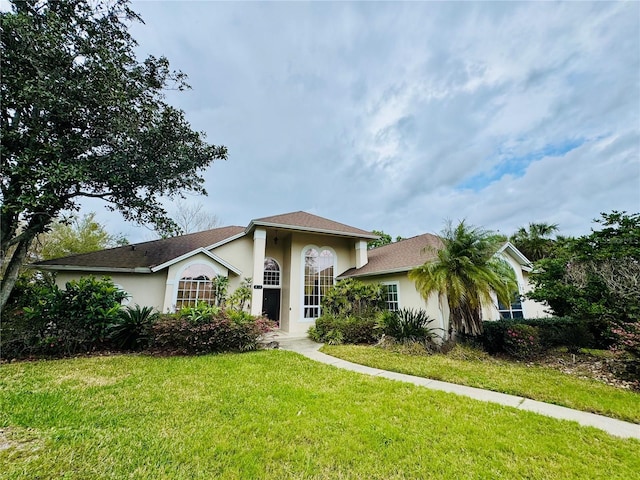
column 553, row 332
column 212, row 334
column 47, row 320
column 407, row 325
column 352, row 297
column 132, row 329
column 627, row 335
column 522, row 341
column 336, row 330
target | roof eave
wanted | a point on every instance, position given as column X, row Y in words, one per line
column 285, row 226
column 377, row 273
column 85, row 268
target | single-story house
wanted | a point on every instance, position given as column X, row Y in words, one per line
column 292, row 259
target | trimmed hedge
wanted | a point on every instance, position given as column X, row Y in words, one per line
column 553, row 332
column 336, row 330
column 217, row 333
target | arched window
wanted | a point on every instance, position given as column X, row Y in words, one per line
column 318, row 279
column 271, row 273
column 196, row 285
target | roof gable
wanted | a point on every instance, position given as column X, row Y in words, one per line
column 311, row 223
column 400, row 256
column 145, row 256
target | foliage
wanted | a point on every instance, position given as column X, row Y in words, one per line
column 200, row 313
column 353, row 297
column 407, row 325
column 78, row 235
column 82, row 117
column 385, row 239
column 220, row 287
column 53, row 321
column 219, row 332
column 240, row 299
column 466, row 272
column 553, row 332
column 522, row 341
column 595, row 276
column 534, row 242
column 132, row 328
column 336, row 330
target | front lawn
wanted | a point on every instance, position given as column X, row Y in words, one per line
column 274, row 414
column 526, row 380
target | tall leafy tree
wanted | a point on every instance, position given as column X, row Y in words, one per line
column 81, row 117
column 535, row 242
column 78, row 235
column 385, row 239
column 465, row 272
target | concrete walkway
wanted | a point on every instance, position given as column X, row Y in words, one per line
column 309, row 349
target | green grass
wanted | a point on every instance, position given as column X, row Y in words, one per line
column 538, row 383
column 274, row 415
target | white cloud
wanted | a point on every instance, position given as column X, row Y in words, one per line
column 374, row 114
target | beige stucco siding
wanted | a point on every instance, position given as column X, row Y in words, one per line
column 409, row 297
column 145, row 289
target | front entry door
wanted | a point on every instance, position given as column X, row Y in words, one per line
column 271, row 304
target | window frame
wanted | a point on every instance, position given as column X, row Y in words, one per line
column 179, row 280
column 397, row 295
column 320, row 285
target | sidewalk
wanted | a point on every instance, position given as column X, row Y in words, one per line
column 618, row 428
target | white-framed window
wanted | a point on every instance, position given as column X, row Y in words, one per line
column 271, row 276
column 319, row 266
column 512, row 311
column 196, row 285
column 391, row 296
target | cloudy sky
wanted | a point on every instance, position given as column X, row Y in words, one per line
column 397, row 116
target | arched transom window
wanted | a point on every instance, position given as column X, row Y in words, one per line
column 318, row 279
column 196, row 285
column 271, row 273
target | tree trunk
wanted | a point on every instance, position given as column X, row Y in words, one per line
column 13, row 269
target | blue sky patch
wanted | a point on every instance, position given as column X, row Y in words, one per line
column 517, row 166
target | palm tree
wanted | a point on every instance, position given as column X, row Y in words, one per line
column 465, row 272
column 535, row 242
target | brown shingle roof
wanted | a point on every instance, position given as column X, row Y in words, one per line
column 398, row 257
column 147, row 254
column 309, row 222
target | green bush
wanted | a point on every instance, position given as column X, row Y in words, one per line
column 522, row 341
column 553, row 332
column 336, row 330
column 221, row 332
column 407, row 325
column 352, row 297
column 132, row 328
column 47, row 320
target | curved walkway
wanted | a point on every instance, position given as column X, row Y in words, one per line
column 619, row 428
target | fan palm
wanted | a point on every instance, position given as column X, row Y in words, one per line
column 465, row 272
column 535, row 242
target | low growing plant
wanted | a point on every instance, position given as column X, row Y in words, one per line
column 132, row 329
column 522, row 341
column 407, row 325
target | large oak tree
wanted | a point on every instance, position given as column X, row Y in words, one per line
column 82, row 117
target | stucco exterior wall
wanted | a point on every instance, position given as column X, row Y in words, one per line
column 145, row 289
column 409, row 297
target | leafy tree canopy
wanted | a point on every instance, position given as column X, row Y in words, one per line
column 595, row 276
column 535, row 242
column 81, row 117
column 385, row 239
column 79, row 235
